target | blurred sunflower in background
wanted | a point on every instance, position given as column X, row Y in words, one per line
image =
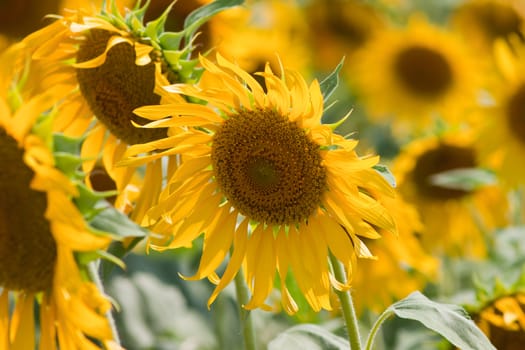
column 41, row 231
column 420, row 73
column 339, row 29
column 402, row 265
column 482, row 22
column 108, row 65
column 255, row 33
column 501, row 124
column 458, row 217
column 262, row 176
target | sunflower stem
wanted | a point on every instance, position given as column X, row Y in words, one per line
column 92, row 268
column 347, row 305
column 244, row 315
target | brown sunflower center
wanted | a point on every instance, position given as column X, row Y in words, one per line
column 102, row 182
column 27, row 247
column 438, row 160
column 423, row 71
column 114, row 89
column 268, row 168
column 516, row 113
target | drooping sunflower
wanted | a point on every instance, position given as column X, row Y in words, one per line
column 253, row 34
column 482, row 22
column 41, row 230
column 501, row 125
column 108, row 65
column 402, row 266
column 457, row 218
column 420, row 72
column 262, row 175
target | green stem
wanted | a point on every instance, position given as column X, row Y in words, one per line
column 375, row 328
column 347, row 306
column 244, row 315
column 95, row 277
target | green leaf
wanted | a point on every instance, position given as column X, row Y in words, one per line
column 330, row 83
column 450, row 321
column 385, row 172
column 466, row 179
column 113, row 221
column 199, row 16
column 308, row 336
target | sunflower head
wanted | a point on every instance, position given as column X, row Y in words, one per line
column 482, row 22
column 499, row 307
column 262, row 174
column 42, row 229
column 424, row 73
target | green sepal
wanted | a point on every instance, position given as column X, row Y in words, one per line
column 330, row 83
column 85, row 258
column 118, row 250
column 170, row 40
column 156, row 27
column 66, row 144
column 89, row 202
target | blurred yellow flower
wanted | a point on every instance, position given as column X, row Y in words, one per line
column 255, row 33
column 402, row 265
column 503, row 321
column 262, row 176
column 501, row 125
column 40, row 230
column 340, row 28
column 455, row 219
column 482, row 22
column 415, row 74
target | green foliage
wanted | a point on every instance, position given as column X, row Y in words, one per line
column 449, row 320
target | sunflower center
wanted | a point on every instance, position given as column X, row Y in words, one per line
column 516, row 113
column 444, row 158
column 268, row 168
column 114, row 89
column 27, row 247
column 423, row 71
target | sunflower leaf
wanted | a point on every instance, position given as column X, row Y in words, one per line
column 308, row 336
column 330, row 83
column 113, row 221
column 450, row 321
column 466, row 179
column 199, row 16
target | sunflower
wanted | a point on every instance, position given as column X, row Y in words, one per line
column 280, row 25
column 108, row 65
column 19, row 18
column 501, row 127
column 402, row 265
column 482, row 22
column 341, row 28
column 41, row 230
column 423, row 73
column 263, row 176
column 456, row 217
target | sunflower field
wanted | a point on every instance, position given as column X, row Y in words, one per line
column 262, row 174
